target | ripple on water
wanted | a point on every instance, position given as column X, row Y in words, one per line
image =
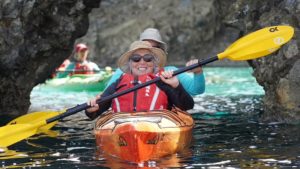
column 227, row 133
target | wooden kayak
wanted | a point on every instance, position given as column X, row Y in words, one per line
column 141, row 136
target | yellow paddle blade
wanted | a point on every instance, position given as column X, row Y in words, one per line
column 11, row 134
column 25, row 126
column 257, row 44
column 34, row 117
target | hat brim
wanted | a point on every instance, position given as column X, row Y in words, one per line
column 81, row 49
column 162, row 44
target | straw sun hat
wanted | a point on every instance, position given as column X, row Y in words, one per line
column 158, row 53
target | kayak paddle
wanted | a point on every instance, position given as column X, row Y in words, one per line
column 37, row 116
column 251, row 46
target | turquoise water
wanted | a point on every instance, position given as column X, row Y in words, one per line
column 231, row 82
column 223, row 82
column 227, row 133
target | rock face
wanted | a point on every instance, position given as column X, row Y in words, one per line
column 199, row 29
column 37, row 36
column 192, row 29
column 279, row 73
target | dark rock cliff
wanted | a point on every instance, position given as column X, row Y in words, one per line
column 278, row 73
column 36, row 37
column 192, row 29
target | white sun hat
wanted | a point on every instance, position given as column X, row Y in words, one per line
column 153, row 34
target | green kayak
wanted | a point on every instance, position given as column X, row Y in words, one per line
column 78, row 83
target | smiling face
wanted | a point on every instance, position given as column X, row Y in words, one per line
column 141, row 67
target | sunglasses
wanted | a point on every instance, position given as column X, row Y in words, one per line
column 146, row 58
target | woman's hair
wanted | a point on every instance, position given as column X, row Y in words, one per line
column 156, row 62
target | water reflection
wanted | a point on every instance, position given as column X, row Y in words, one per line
column 229, row 137
column 227, row 133
column 178, row 160
column 243, row 143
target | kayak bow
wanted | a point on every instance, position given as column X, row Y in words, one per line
column 141, row 136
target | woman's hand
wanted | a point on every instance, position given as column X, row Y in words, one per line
column 168, row 78
column 197, row 70
column 93, row 103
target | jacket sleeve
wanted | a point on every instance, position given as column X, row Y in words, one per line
column 103, row 106
column 194, row 84
column 117, row 74
column 94, row 66
column 177, row 96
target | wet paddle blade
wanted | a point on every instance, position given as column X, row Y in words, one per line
column 25, row 126
column 32, row 118
column 11, row 134
column 258, row 44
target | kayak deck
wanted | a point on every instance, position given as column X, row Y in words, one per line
column 78, row 83
column 141, row 136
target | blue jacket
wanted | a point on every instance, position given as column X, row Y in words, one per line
column 194, row 84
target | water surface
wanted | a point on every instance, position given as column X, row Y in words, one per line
column 227, row 133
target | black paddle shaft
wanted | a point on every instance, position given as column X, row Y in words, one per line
column 84, row 106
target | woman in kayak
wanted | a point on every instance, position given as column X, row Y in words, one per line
column 141, row 64
column 81, row 65
column 193, row 82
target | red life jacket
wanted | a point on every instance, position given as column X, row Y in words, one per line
column 148, row 98
column 83, row 68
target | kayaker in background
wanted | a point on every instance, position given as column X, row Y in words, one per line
column 193, row 82
column 60, row 71
column 64, row 65
column 140, row 64
column 81, row 65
